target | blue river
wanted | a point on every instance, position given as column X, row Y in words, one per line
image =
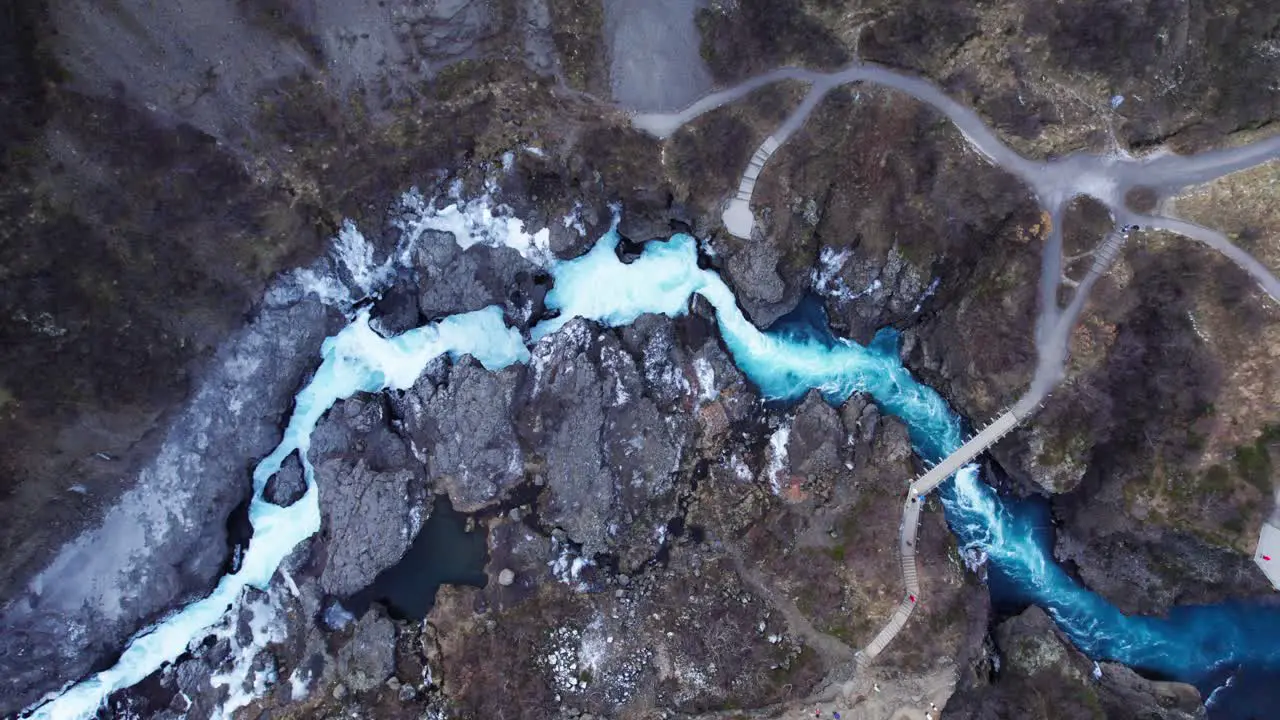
column 1204, row 646
column 1201, row 645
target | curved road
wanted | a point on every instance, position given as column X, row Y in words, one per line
column 1107, row 178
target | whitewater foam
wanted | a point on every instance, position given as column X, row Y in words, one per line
column 599, row 287
column 357, row 359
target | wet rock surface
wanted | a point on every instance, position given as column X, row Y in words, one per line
column 464, row 426
column 1043, row 676
column 375, row 495
column 608, row 457
column 288, row 485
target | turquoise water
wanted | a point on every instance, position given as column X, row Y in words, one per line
column 1201, row 645
column 357, row 359
column 1194, row 644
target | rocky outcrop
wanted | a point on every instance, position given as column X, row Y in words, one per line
column 607, row 455
column 881, row 232
column 288, row 485
column 164, row 541
column 464, row 426
column 373, row 498
column 1171, row 567
column 368, row 657
column 777, row 570
column 453, row 280
column 1042, row 676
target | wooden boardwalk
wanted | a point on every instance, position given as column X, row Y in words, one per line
column 987, row 437
column 911, row 580
column 911, row 509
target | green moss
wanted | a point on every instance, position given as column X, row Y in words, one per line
column 1270, row 434
column 457, row 79
column 1253, row 462
column 1089, row 699
column 1216, row 480
column 579, row 38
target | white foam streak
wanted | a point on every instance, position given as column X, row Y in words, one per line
column 356, row 359
column 479, row 221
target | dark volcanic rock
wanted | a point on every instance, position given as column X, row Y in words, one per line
column 373, row 497
column 1042, row 677
column 752, row 270
column 454, row 280
column 397, row 310
column 368, row 657
column 463, row 424
column 288, row 485
column 608, row 456
column 1171, row 567
column 817, row 439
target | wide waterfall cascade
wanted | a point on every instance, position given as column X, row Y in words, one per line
column 1192, row 644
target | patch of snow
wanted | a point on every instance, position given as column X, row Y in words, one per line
column 660, row 533
column 1196, row 327
column 777, row 457
column 478, row 221
column 243, row 680
column 337, row 617
column 573, row 220
column 594, row 646
column 42, row 323
column 288, row 580
column 568, row 565
column 328, row 289
column 826, row 278
column 299, row 684
column 535, row 151
column 706, row 379
column 928, row 293
column 354, row 253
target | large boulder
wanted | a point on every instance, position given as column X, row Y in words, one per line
column 607, row 454
column 453, row 280
column 462, row 423
column 368, row 656
column 372, row 494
